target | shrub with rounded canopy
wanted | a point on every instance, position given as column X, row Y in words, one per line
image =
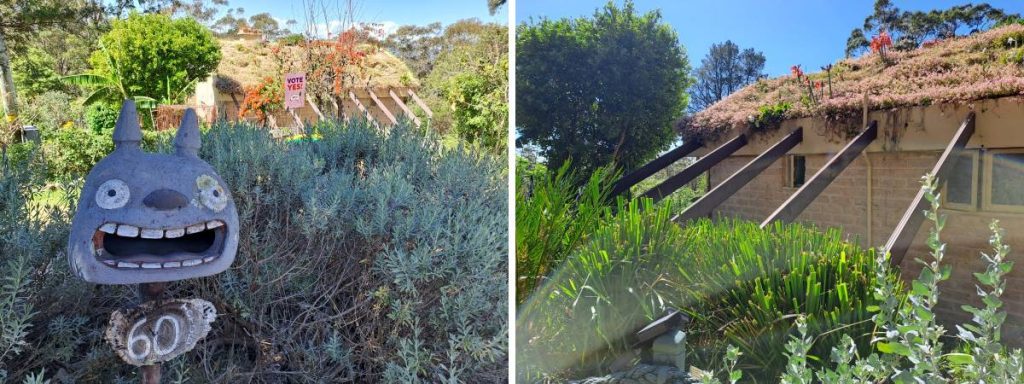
column 600, row 89
column 157, row 57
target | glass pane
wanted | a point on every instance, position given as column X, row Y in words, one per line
column 958, row 186
column 1008, row 178
column 799, row 170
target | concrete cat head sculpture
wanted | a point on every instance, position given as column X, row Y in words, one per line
column 147, row 217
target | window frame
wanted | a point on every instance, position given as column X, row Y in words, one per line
column 789, row 179
column 975, row 156
column 986, row 192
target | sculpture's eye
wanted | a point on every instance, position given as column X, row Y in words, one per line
column 112, row 194
column 211, row 194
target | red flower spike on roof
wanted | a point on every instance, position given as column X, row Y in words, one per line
column 797, row 72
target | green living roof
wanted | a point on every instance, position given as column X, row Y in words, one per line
column 984, row 65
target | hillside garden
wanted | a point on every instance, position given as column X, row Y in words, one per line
column 366, row 253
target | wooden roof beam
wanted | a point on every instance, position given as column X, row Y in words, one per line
column 362, row 108
column 663, row 161
column 711, row 200
column 799, row 200
column 381, row 105
column 405, row 108
column 421, row 104
column 696, row 169
column 901, row 238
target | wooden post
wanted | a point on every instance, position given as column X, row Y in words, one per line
column 359, row 105
column 804, row 196
column 696, row 169
column 315, row 108
column 421, row 104
column 340, row 112
column 295, row 117
column 663, row 161
column 903, row 235
column 383, row 108
column 150, row 374
column 711, row 200
column 405, row 108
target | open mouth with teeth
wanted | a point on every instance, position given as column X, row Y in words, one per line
column 127, row 246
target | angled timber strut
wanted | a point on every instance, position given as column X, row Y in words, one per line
column 362, row 108
column 383, row 108
column 696, row 169
column 907, row 228
column 706, row 204
column 405, row 108
column 420, row 102
column 663, row 161
column 799, row 200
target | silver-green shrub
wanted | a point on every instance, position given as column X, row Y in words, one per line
column 364, row 256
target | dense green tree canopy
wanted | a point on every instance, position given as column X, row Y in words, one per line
column 34, row 74
column 723, row 71
column 21, row 20
column 600, row 89
column 154, row 56
column 469, row 83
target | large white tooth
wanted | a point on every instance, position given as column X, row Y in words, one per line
column 190, row 263
column 173, row 233
column 121, row 264
column 111, row 263
column 195, row 228
column 127, row 230
column 110, row 228
column 172, row 264
column 152, row 233
column 208, row 259
column 213, row 224
column 150, row 265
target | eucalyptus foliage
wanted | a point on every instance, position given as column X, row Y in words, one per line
column 365, row 256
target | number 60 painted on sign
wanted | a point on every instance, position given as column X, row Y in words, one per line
column 156, row 332
column 152, row 344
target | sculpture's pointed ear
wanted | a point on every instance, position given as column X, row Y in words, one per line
column 187, row 141
column 127, row 133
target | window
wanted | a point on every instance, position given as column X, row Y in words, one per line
column 961, row 189
column 796, row 173
column 1004, row 180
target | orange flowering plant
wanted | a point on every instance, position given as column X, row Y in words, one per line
column 335, row 65
column 263, row 99
column 881, row 43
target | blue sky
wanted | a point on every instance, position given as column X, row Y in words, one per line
column 391, row 13
column 808, row 32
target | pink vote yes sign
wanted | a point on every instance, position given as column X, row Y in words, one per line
column 294, row 90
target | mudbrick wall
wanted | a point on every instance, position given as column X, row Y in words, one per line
column 895, row 179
